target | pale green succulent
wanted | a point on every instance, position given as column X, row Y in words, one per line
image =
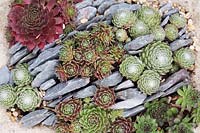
column 124, row 19
column 184, row 57
column 7, row 95
column 145, row 124
column 175, row 68
column 93, row 120
column 158, row 33
column 21, row 75
column 196, row 114
column 121, row 35
column 149, row 16
column 158, row 57
column 183, row 127
column 138, row 29
column 131, row 68
column 149, row 82
column 188, row 97
column 66, row 54
column 177, row 20
column 171, row 32
column 28, row 98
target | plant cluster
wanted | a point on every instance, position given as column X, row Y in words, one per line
column 90, row 54
column 22, row 95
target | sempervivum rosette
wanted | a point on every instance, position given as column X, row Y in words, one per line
column 121, row 35
column 138, row 29
column 69, row 109
column 177, row 20
column 145, row 124
column 28, row 98
column 131, row 68
column 149, row 16
column 104, row 97
column 7, row 95
column 35, row 23
column 171, row 32
column 149, row 82
column 21, row 75
column 158, row 57
column 124, row 19
column 93, row 120
column 158, row 33
column 66, row 54
column 103, row 68
column 184, row 58
column 122, row 125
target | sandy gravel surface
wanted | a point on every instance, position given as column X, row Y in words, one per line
column 7, row 126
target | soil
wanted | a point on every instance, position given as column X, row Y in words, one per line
column 8, row 126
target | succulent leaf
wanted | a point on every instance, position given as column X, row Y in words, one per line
column 28, row 98
column 171, row 32
column 149, row 82
column 145, row 124
column 66, row 54
column 158, row 57
column 149, row 16
column 131, row 68
column 104, row 97
column 122, row 125
column 184, row 57
column 103, row 69
column 69, row 109
column 21, row 75
column 124, row 19
column 138, row 29
column 196, row 114
column 8, row 95
column 177, row 20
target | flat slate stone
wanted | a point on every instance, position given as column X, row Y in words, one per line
column 182, row 31
column 86, row 92
column 128, row 93
column 112, row 80
column 34, row 118
column 18, row 56
column 175, row 45
column 46, row 55
column 171, row 12
column 105, row 5
column 46, row 74
column 98, row 2
column 138, row 99
column 174, row 79
column 139, row 42
column 86, row 13
column 133, row 111
column 154, row 96
column 124, row 85
column 13, row 49
column 165, row 21
column 121, row 6
column 48, row 84
column 50, row 121
column 64, row 88
column 4, row 75
column 165, row 7
column 83, row 4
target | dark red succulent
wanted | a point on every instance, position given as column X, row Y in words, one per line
column 36, row 22
column 69, row 109
column 121, row 125
column 104, row 97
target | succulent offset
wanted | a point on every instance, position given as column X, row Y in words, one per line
column 171, row 32
column 149, row 16
column 124, row 19
column 149, row 82
column 131, row 68
column 178, row 20
column 158, row 33
column 158, row 57
column 145, row 124
column 28, row 98
column 8, row 95
column 69, row 109
column 21, row 75
column 184, row 58
column 121, row 125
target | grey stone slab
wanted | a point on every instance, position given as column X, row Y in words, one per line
column 134, row 111
column 48, row 84
column 4, row 75
column 124, row 85
column 13, row 49
column 18, row 56
column 85, row 92
column 175, row 45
